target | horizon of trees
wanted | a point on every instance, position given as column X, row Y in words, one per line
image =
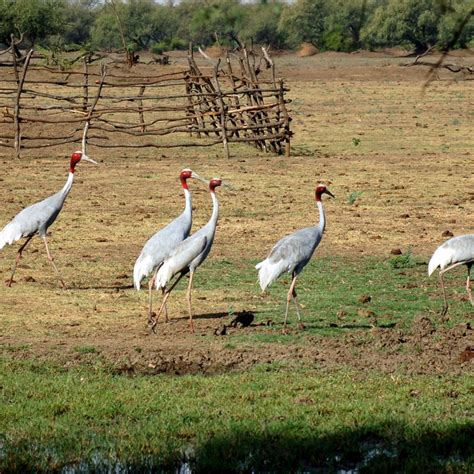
column 336, row 25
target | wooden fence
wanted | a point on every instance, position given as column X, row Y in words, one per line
column 230, row 100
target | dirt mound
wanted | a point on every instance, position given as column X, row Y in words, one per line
column 307, row 49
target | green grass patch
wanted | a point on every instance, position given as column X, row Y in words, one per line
column 265, row 419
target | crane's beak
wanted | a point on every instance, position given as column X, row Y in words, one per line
column 85, row 157
column 196, row 176
column 330, row 193
column 226, row 184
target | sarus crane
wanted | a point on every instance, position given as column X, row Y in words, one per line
column 159, row 246
column 37, row 218
column 292, row 253
column 188, row 255
column 452, row 253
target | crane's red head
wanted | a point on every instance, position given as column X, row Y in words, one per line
column 185, row 175
column 214, row 183
column 322, row 189
column 76, row 157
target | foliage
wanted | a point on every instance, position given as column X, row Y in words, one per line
column 304, row 22
column 405, row 21
column 328, row 24
column 405, row 260
column 344, row 23
column 353, row 196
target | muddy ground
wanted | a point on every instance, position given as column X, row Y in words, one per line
column 412, row 169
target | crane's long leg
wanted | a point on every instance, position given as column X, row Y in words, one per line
column 166, row 295
column 297, row 308
column 444, row 311
column 468, row 283
column 51, row 259
column 17, row 259
column 151, row 284
column 288, row 298
column 188, row 295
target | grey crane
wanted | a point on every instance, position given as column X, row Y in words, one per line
column 452, row 253
column 159, row 246
column 36, row 218
column 292, row 253
column 188, row 255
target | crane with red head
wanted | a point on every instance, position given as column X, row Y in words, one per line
column 188, row 256
column 37, row 218
column 292, row 253
column 159, row 245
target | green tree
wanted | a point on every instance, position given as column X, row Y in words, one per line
column 7, row 20
column 304, row 21
column 207, row 18
column 38, row 19
column 344, row 23
column 413, row 22
column 261, row 24
column 457, row 11
column 105, row 33
column 79, row 17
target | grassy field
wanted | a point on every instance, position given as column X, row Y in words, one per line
column 378, row 381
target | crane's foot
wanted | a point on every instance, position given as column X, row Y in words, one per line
column 444, row 311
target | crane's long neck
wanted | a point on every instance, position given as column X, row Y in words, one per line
column 188, row 208
column 67, row 187
column 322, row 216
column 215, row 210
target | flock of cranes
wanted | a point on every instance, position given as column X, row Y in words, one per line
column 172, row 252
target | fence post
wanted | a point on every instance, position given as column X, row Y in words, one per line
column 85, row 87
column 286, row 117
column 103, row 73
column 140, row 108
column 222, row 111
column 16, row 113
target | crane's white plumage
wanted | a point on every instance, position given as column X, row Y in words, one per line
column 179, row 259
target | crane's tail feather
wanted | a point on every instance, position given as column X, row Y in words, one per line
column 137, row 274
column 441, row 258
column 180, row 259
column 268, row 272
column 9, row 234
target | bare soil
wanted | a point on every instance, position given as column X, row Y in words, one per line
column 412, row 169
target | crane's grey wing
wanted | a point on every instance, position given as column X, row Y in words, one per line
column 159, row 246
column 289, row 254
column 296, row 248
column 180, row 258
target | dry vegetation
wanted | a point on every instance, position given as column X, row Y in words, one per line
column 361, row 124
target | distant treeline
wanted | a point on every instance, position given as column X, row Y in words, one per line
column 337, row 25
